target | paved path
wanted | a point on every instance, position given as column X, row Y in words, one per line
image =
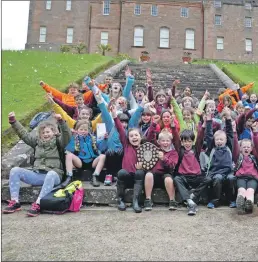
column 104, row 234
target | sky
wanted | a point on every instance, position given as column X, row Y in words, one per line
column 15, row 16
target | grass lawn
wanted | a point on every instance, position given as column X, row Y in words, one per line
column 23, row 70
column 245, row 72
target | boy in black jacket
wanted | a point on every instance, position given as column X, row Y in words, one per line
column 220, row 166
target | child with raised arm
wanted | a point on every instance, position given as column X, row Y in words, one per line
column 131, row 174
column 47, row 170
column 161, row 174
column 220, row 167
column 83, row 151
column 245, row 155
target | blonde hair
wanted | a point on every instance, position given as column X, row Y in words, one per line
column 165, row 134
column 220, row 133
column 80, row 123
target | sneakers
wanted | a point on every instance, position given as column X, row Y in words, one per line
column 12, row 207
column 240, row 204
column 249, row 206
column 172, row 205
column 34, row 210
column 192, row 210
column 95, row 181
column 108, row 180
column 232, row 204
column 211, row 205
column 148, row 205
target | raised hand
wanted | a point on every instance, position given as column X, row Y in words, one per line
column 41, row 83
column 11, row 114
column 148, row 76
column 144, row 101
column 138, row 165
column 98, row 97
column 227, row 112
column 57, row 116
column 113, row 111
column 49, row 97
column 206, row 95
column 234, row 126
column 128, row 71
column 255, row 126
column 156, row 119
column 176, row 82
column 161, row 155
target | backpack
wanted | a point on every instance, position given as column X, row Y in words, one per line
column 63, row 200
column 240, row 161
column 38, row 118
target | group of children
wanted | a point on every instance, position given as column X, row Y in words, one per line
column 206, row 149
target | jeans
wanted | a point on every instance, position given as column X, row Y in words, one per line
column 46, row 180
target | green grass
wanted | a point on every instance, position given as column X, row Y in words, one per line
column 243, row 73
column 23, row 70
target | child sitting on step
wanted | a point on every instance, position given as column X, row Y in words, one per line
column 83, row 151
column 220, row 167
column 161, row 174
column 131, row 174
column 47, row 170
column 245, row 155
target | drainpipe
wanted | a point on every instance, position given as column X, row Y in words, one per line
column 89, row 28
column 203, row 25
column 120, row 23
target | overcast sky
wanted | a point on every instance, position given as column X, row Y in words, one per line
column 14, row 24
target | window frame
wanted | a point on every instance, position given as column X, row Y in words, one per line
column 42, row 34
column 67, row 35
column 48, row 5
column 187, row 47
column 135, row 8
column 220, row 19
column 250, row 20
column 251, row 41
column 134, row 36
column 106, row 7
column 162, row 38
column 248, row 6
column 218, row 43
column 217, row 3
column 187, row 12
column 66, row 7
column 153, row 13
column 102, row 39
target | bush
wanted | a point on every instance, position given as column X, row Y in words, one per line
column 65, row 48
column 104, row 48
column 80, row 48
column 122, row 57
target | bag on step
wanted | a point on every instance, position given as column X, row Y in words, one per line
column 68, row 199
column 38, row 118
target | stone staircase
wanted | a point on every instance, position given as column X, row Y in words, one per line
column 198, row 77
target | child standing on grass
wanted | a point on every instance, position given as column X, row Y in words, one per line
column 47, row 170
column 82, row 151
column 161, row 174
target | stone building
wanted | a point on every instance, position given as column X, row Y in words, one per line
column 211, row 29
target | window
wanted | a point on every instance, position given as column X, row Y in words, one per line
column 138, row 36
column 106, row 7
column 104, row 38
column 48, row 5
column 220, row 43
column 248, row 22
column 42, row 34
column 248, row 6
column 68, row 5
column 164, row 37
column 189, row 39
column 217, row 19
column 137, row 9
column 217, row 3
column 248, row 45
column 69, row 37
column 184, row 12
column 154, row 10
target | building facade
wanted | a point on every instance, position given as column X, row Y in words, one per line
column 210, row 29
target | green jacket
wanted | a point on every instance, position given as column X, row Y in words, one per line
column 46, row 153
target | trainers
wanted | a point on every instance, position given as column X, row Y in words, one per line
column 172, row 205
column 108, row 180
column 192, row 210
column 240, row 204
column 12, row 207
column 211, row 205
column 34, row 210
column 249, row 206
column 95, row 181
column 148, row 205
column 232, row 204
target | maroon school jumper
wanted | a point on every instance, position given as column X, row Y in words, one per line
column 189, row 164
column 170, row 157
column 130, row 156
column 247, row 166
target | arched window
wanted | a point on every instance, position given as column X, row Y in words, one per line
column 189, row 39
column 138, row 36
column 164, row 37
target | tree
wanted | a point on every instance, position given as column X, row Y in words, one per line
column 104, row 48
column 80, row 47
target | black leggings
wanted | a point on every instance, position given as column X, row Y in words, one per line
column 113, row 162
column 247, row 182
column 130, row 178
